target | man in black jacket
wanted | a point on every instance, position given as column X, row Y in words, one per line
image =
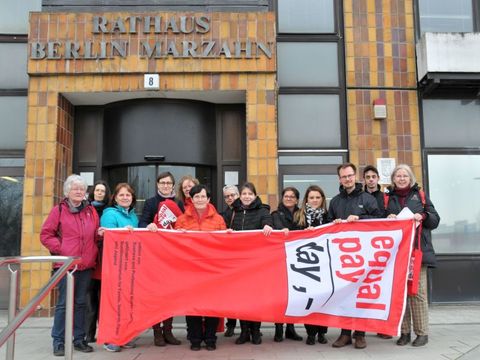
column 371, row 178
column 351, row 204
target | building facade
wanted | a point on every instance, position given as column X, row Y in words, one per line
column 276, row 92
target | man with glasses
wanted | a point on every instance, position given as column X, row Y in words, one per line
column 351, row 204
column 161, row 211
column 230, row 194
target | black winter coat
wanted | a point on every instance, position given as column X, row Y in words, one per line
column 283, row 218
column 358, row 202
column 252, row 217
column 414, row 202
column 151, row 207
column 378, row 195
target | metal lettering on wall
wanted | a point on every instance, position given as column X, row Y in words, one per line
column 169, row 31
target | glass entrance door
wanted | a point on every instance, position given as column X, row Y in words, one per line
column 143, row 178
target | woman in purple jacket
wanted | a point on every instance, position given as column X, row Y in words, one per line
column 71, row 229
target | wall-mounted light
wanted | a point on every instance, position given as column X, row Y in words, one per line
column 379, row 109
column 154, row 158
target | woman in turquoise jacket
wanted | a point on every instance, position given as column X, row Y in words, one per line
column 120, row 214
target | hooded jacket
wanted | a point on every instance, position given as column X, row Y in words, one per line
column 431, row 219
column 252, row 217
column 358, row 202
column 211, row 220
column 69, row 232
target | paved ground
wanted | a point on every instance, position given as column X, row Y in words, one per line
column 454, row 334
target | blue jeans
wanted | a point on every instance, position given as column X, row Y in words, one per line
column 81, row 284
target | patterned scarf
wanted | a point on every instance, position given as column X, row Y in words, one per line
column 312, row 215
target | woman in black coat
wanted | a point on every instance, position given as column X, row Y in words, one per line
column 283, row 220
column 312, row 213
column 405, row 192
column 249, row 213
column 99, row 198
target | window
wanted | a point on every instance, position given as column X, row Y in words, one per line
column 11, row 193
column 14, row 15
column 446, row 15
column 454, row 180
column 307, row 64
column 451, row 123
column 306, row 16
column 301, row 170
column 13, row 62
column 12, row 122
column 309, row 121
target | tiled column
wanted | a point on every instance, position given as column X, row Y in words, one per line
column 380, row 63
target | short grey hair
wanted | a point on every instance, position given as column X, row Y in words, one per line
column 408, row 169
column 73, row 179
column 232, row 188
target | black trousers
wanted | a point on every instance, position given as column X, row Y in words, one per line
column 313, row 330
column 202, row 328
column 231, row 323
column 92, row 309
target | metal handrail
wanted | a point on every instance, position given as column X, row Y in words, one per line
column 15, row 320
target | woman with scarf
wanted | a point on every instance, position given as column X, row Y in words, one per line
column 405, row 192
column 283, row 220
column 98, row 198
column 312, row 213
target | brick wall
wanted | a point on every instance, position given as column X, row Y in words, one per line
column 49, row 143
column 380, row 63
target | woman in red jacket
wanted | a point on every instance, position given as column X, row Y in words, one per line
column 201, row 216
column 71, row 229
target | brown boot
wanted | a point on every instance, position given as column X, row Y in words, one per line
column 167, row 333
column 342, row 341
column 158, row 339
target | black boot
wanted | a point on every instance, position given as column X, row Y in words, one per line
column 291, row 334
column 278, row 337
column 255, row 331
column 244, row 333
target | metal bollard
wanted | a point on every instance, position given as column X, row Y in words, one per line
column 12, row 310
column 69, row 315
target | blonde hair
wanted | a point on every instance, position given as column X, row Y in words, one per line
column 180, row 194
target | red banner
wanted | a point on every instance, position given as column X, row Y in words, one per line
column 349, row 275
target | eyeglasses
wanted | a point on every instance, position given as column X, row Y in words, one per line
column 229, row 196
column 165, row 183
column 345, row 177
